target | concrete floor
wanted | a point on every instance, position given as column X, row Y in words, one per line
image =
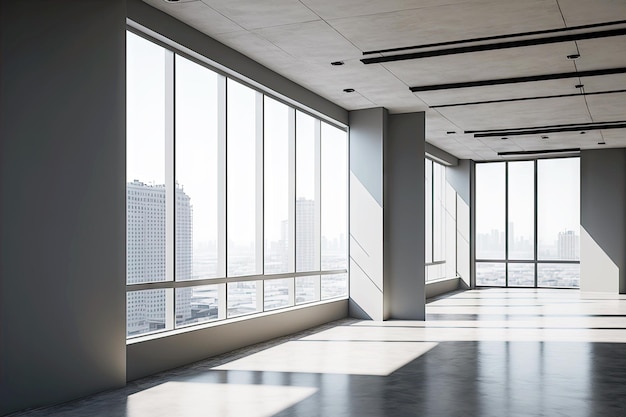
column 489, row 352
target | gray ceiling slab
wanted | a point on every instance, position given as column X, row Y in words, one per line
column 333, row 9
column 448, row 22
column 486, row 65
column 254, row 14
column 519, row 114
column 300, row 38
column 604, row 83
column 615, row 138
column 311, row 41
column 607, row 107
column 500, row 92
column 257, row 48
column 459, row 149
column 583, row 12
column 436, row 123
column 197, row 15
column 602, row 53
column 564, row 140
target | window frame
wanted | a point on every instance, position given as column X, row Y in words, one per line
column 171, row 285
column 506, row 261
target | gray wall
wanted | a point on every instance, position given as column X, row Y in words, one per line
column 437, row 288
column 151, row 356
column 603, row 220
column 62, row 172
column 62, row 150
column 459, row 178
column 404, row 217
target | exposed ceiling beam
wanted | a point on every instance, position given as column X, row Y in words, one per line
column 520, row 131
column 496, row 46
column 540, row 152
column 507, row 100
column 515, row 80
column 497, row 37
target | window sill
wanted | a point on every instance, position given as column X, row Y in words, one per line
column 216, row 323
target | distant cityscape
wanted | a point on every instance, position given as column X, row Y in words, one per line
column 490, row 245
column 565, row 247
column 146, row 254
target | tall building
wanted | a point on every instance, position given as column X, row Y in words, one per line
column 305, row 235
column 146, row 255
column 568, row 245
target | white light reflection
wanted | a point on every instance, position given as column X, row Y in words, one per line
column 182, row 399
column 498, row 315
column 368, row 357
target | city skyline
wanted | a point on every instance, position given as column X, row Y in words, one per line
column 146, row 262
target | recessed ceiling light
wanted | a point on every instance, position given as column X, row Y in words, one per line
column 579, row 85
column 348, row 90
column 582, row 132
column 573, row 56
column 450, row 132
column 504, row 138
column 545, row 137
column 601, row 143
column 337, row 63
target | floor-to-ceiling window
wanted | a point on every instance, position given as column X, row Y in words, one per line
column 440, row 223
column 236, row 201
column 528, row 223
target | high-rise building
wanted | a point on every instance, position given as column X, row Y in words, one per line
column 568, row 245
column 305, row 235
column 146, row 255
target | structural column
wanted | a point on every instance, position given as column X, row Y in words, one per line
column 386, row 215
column 602, row 221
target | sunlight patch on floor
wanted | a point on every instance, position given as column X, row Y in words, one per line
column 186, row 399
column 371, row 357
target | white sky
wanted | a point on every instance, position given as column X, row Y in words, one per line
column 558, row 197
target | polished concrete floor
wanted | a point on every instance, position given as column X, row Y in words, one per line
column 489, row 352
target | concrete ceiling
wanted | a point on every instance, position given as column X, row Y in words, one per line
column 300, row 38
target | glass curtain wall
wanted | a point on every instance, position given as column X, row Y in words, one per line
column 440, row 222
column 236, row 202
column 527, row 223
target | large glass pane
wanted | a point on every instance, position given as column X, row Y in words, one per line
column 145, row 161
column 334, row 163
column 521, row 275
column 197, row 173
column 439, row 212
column 277, row 293
column 435, row 271
column 521, row 233
column 307, row 289
column 558, row 275
column 490, row 274
column 205, row 304
column 558, row 209
column 307, row 203
column 428, row 210
column 244, row 297
column 243, row 188
column 146, row 311
column 278, row 225
column 490, row 206
column 335, row 285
